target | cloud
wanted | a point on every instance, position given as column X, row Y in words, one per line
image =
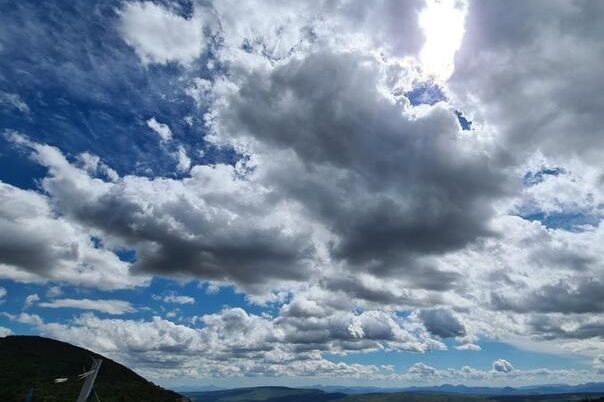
column 54, row 291
column 94, row 166
column 31, row 300
column 39, row 245
column 233, row 343
column 167, row 222
column 108, row 306
column 159, row 35
column 422, row 370
column 5, row 332
column 179, row 299
column 469, row 347
column 564, row 43
column 162, row 348
column 165, row 134
column 3, row 292
column 578, row 296
column 184, row 162
column 25, row 318
column 162, row 130
column 13, row 101
column 442, row 322
column 502, row 366
column 598, row 363
column 388, row 186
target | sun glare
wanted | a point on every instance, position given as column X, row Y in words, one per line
column 442, row 22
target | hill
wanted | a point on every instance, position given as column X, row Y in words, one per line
column 552, row 389
column 284, row 394
column 28, row 362
column 419, row 397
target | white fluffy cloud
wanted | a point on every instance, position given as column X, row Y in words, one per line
column 179, row 299
column 184, row 162
column 502, row 366
column 108, row 306
column 162, row 130
column 160, row 35
column 469, row 347
column 235, row 344
column 30, row 300
column 5, row 332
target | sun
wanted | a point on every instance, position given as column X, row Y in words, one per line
column 442, row 22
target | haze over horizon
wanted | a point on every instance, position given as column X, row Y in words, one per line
column 243, row 193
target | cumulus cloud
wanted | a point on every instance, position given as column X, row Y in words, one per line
column 168, row 223
column 396, row 180
column 108, row 306
column 184, row 162
column 598, row 363
column 54, row 291
column 469, row 347
column 30, row 300
column 442, row 322
column 5, row 332
column 234, row 343
column 502, row 366
column 545, row 55
column 94, row 166
column 179, row 299
column 39, row 245
column 160, row 35
column 161, row 129
column 251, row 344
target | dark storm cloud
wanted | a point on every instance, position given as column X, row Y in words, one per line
column 442, row 322
column 211, row 225
column 36, row 245
column 572, row 295
column 557, row 327
column 433, row 280
column 388, row 186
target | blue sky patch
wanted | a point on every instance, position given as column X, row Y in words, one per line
column 425, row 93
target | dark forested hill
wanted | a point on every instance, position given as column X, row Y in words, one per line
column 28, row 362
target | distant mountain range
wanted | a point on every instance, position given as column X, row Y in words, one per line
column 442, row 393
column 547, row 389
column 272, row 394
column 593, row 387
column 32, row 363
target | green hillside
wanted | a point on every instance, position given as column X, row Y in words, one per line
column 33, row 362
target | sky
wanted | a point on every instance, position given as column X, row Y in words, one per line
column 244, row 193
